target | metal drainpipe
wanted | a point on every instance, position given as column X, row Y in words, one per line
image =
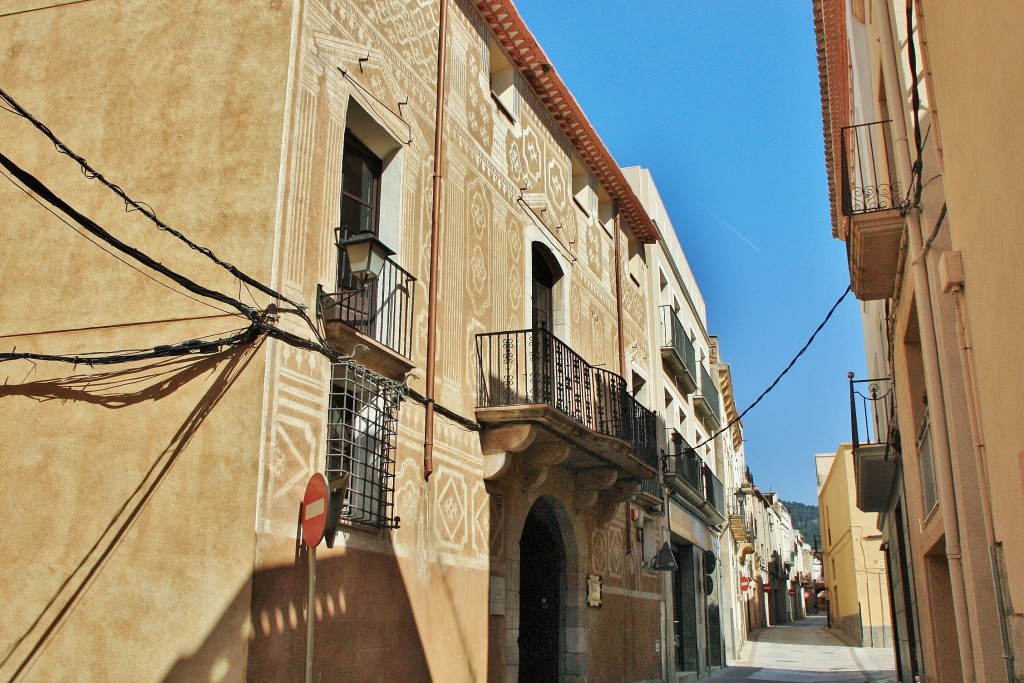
column 933, row 378
column 618, row 291
column 963, row 334
column 435, row 229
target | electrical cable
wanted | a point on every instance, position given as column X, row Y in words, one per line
column 34, row 184
column 465, row 422
column 89, row 172
column 258, row 318
column 132, row 204
column 108, row 251
column 192, row 346
column 782, row 374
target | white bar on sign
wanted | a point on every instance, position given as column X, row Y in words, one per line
column 316, row 508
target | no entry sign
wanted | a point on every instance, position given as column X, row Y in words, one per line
column 744, row 583
column 792, row 591
column 766, row 587
column 315, row 504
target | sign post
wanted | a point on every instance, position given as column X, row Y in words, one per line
column 315, row 503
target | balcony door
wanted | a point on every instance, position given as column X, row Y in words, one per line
column 360, row 212
column 542, row 291
column 542, row 316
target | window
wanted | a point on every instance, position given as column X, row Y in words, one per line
column 583, row 187
column 639, row 388
column 637, row 260
column 543, row 284
column 503, row 82
column 360, row 195
column 361, row 423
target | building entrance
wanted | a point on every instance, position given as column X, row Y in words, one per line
column 541, row 582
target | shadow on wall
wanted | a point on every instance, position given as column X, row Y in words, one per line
column 116, row 389
column 365, row 628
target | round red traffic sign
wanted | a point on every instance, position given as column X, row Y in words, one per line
column 792, row 591
column 315, row 504
column 766, row 587
column 744, row 583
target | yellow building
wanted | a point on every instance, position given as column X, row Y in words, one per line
column 921, row 120
column 854, row 563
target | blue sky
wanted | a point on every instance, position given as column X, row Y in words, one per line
column 720, row 101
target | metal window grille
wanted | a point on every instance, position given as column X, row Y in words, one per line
column 361, row 427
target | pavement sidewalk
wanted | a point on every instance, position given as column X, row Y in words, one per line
column 806, row 652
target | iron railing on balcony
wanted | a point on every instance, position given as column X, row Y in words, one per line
column 381, row 309
column 869, row 180
column 674, row 336
column 709, row 392
column 929, row 493
column 524, row 367
column 871, row 406
column 651, row 487
column 713, row 490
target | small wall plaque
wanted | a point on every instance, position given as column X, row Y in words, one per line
column 594, row 590
column 497, row 601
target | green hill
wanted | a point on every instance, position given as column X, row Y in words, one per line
column 805, row 518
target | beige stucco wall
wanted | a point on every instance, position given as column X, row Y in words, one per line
column 979, row 101
column 229, row 122
column 128, row 490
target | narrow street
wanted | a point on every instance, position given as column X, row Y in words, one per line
column 805, row 652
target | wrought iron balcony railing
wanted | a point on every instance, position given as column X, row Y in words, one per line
column 695, row 473
column 709, row 395
column 868, row 174
column 876, row 443
column 713, row 490
column 681, row 352
column 524, row 367
column 381, row 309
column 871, row 410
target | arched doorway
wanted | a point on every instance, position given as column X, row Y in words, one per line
column 542, row 580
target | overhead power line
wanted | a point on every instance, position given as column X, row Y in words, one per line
column 142, row 207
column 781, row 374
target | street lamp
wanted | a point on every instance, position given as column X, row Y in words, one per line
column 366, row 254
column 665, row 561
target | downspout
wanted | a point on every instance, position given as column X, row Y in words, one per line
column 932, row 376
column 963, row 335
column 435, row 230
column 618, row 291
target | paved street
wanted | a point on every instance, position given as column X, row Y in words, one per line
column 805, row 652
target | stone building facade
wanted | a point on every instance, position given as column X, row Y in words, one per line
column 918, row 103
column 479, row 401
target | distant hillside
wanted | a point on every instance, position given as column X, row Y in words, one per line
column 805, row 518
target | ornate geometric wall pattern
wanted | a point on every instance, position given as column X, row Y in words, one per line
column 616, row 551
column 450, row 504
column 514, row 159
column 533, row 159
column 514, row 276
column 497, row 532
column 599, row 551
column 481, row 210
column 556, row 185
column 479, row 118
column 606, row 551
column 480, row 540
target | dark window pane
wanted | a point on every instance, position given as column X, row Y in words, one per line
column 357, row 178
column 355, row 217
